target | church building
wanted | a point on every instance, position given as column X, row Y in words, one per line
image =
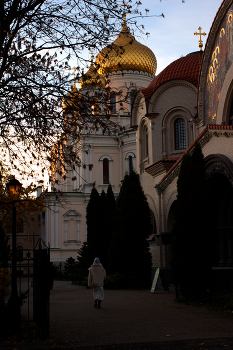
column 104, row 159
column 165, row 115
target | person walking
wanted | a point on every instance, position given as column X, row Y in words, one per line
column 96, row 278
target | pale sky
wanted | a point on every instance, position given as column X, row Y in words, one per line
column 172, row 36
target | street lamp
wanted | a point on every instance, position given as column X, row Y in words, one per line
column 14, row 186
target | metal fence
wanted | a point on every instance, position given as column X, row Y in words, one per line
column 34, row 281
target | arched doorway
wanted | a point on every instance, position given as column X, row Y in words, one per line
column 222, row 238
column 219, row 172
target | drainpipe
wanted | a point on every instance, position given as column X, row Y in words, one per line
column 160, row 222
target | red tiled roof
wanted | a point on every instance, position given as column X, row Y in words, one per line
column 220, row 127
column 161, row 166
column 185, row 68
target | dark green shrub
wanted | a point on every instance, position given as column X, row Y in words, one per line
column 129, row 253
column 192, row 228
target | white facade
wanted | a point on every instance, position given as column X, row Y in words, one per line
column 65, row 219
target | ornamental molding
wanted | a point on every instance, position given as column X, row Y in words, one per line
column 151, row 115
column 207, row 54
column 104, row 157
column 71, row 213
column 205, row 139
column 121, row 73
column 225, row 133
column 174, row 173
column 130, row 154
column 166, row 86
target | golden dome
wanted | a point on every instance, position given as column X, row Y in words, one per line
column 71, row 100
column 92, row 78
column 126, row 53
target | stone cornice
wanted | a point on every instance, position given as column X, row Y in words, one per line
column 151, row 115
column 160, row 167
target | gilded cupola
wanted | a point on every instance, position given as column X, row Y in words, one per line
column 92, row 78
column 126, row 53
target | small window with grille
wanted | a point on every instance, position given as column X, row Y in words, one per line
column 180, row 136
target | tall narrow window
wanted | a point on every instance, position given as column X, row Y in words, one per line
column 146, row 145
column 105, row 171
column 180, row 138
column 130, row 164
column 95, row 107
column 113, row 102
column 145, row 151
column 132, row 94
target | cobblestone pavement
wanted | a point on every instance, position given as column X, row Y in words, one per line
column 133, row 319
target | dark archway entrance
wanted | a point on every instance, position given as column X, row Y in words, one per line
column 222, row 195
column 220, row 176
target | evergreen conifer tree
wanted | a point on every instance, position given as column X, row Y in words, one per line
column 192, row 227
column 84, row 261
column 110, row 215
column 102, row 254
column 129, row 250
column 100, row 214
column 107, row 216
column 93, row 217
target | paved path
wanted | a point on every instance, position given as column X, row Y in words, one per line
column 129, row 317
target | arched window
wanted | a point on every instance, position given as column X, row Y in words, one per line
column 113, row 102
column 180, row 137
column 95, row 107
column 105, row 171
column 132, row 94
column 145, row 151
column 130, row 164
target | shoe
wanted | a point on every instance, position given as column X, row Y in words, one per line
column 95, row 305
column 99, row 302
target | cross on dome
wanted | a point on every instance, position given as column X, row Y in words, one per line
column 200, row 45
